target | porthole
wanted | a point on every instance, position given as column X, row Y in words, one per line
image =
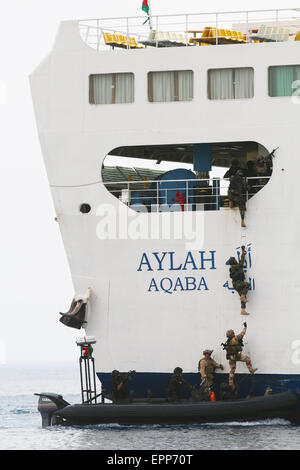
column 85, row 208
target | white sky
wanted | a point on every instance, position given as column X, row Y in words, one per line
column 34, row 278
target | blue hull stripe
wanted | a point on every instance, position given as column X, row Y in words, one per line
column 141, row 382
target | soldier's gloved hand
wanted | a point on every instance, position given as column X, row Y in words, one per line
column 221, row 367
column 245, row 325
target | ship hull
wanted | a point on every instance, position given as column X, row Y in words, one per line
column 144, row 384
column 158, row 301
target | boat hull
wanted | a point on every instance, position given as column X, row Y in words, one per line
column 255, row 409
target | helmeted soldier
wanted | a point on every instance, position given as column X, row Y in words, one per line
column 176, row 384
column 237, row 276
column 118, row 384
column 207, row 367
column 235, row 166
column 237, row 193
column 234, row 347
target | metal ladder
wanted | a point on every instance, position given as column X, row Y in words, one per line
column 87, row 375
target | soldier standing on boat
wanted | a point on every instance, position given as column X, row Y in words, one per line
column 234, row 347
column 237, row 276
column 176, row 384
column 207, row 367
column 237, row 193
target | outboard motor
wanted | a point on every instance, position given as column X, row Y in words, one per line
column 48, row 404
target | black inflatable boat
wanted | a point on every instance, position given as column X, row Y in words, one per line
column 56, row 411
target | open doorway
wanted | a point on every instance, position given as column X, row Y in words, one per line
column 180, row 177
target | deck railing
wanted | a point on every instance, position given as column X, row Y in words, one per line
column 180, row 195
column 218, row 28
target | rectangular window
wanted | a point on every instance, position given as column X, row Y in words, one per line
column 111, row 88
column 170, row 86
column 231, row 84
column 283, row 80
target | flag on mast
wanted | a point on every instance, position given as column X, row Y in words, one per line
column 146, row 9
column 145, row 6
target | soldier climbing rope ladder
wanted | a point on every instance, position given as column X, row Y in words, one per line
column 234, row 347
column 239, row 283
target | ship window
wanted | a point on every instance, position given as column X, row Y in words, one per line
column 231, row 84
column 170, row 86
column 283, row 80
column 111, row 88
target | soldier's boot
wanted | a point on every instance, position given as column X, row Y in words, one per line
column 243, row 309
column 243, row 312
column 250, row 367
column 243, row 223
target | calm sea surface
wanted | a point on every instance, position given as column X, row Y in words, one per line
column 20, row 422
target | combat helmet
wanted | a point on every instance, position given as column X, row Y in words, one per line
column 177, row 370
column 229, row 333
column 208, row 351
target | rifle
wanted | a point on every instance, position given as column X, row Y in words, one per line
column 269, row 158
column 128, row 375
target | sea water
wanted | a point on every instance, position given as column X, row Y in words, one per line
column 21, row 429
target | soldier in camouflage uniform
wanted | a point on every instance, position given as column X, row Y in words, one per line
column 207, row 366
column 237, row 276
column 234, row 347
column 237, row 194
column 176, row 384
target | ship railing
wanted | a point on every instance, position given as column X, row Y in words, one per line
column 185, row 195
column 218, row 28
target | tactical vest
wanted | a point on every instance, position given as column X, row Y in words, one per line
column 209, row 365
column 237, row 273
column 233, row 351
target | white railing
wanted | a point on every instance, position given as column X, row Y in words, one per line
column 188, row 29
column 180, row 195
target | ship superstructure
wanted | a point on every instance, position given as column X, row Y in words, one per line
column 151, row 236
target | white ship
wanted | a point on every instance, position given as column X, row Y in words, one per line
column 138, row 124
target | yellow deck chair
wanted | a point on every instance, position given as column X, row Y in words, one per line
column 212, row 33
column 240, row 36
column 134, row 44
column 114, row 39
column 297, row 37
column 221, row 33
column 120, row 39
column 206, row 32
column 108, row 38
column 234, row 36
